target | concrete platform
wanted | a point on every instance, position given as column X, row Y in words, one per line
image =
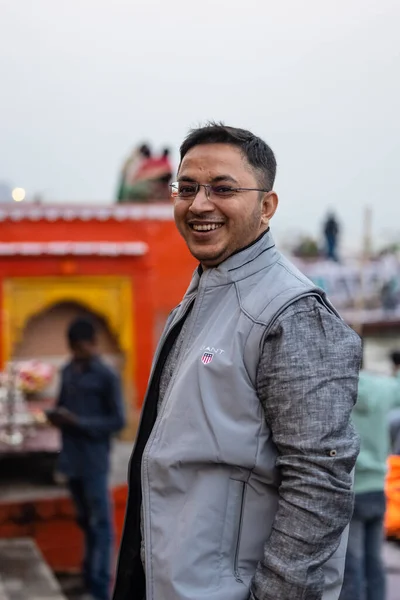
column 24, row 575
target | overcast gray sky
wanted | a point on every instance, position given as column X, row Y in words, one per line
column 83, row 81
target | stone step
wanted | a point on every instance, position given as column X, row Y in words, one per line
column 24, row 574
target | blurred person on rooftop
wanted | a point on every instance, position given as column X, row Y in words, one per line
column 130, row 169
column 147, row 177
column 331, row 232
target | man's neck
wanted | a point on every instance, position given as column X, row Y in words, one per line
column 201, row 268
column 82, row 364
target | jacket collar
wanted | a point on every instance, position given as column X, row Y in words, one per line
column 258, row 255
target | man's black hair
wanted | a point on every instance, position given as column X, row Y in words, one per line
column 395, row 358
column 82, row 329
column 258, row 154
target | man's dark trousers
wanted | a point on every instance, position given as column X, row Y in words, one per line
column 91, row 499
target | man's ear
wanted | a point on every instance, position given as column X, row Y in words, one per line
column 269, row 206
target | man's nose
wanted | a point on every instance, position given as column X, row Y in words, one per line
column 201, row 201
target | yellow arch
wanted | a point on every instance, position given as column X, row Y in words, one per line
column 108, row 296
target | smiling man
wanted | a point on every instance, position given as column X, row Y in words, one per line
column 240, row 479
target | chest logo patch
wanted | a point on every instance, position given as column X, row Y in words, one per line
column 207, row 358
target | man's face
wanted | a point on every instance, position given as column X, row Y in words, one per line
column 240, row 219
column 83, row 350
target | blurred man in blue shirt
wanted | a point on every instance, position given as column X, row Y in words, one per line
column 89, row 411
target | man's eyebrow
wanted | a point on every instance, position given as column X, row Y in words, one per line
column 224, row 178
column 186, row 178
column 216, row 179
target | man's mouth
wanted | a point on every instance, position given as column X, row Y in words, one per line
column 205, row 226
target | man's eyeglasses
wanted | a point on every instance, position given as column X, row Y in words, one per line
column 189, row 190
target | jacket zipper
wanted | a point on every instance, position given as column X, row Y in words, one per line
column 190, row 308
column 239, row 534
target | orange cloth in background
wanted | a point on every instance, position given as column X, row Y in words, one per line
column 392, row 516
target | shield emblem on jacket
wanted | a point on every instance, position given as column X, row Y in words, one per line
column 207, row 358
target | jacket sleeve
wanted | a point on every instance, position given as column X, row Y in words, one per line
column 112, row 419
column 307, row 384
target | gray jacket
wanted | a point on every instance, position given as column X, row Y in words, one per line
column 208, row 465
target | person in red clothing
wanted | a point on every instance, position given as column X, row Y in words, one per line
column 147, row 177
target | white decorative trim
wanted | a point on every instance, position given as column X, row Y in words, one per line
column 74, row 248
column 120, row 212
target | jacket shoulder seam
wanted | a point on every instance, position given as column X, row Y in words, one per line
column 292, row 273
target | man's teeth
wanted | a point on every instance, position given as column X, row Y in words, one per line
column 207, row 227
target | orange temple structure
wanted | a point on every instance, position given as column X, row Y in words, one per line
column 124, row 264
